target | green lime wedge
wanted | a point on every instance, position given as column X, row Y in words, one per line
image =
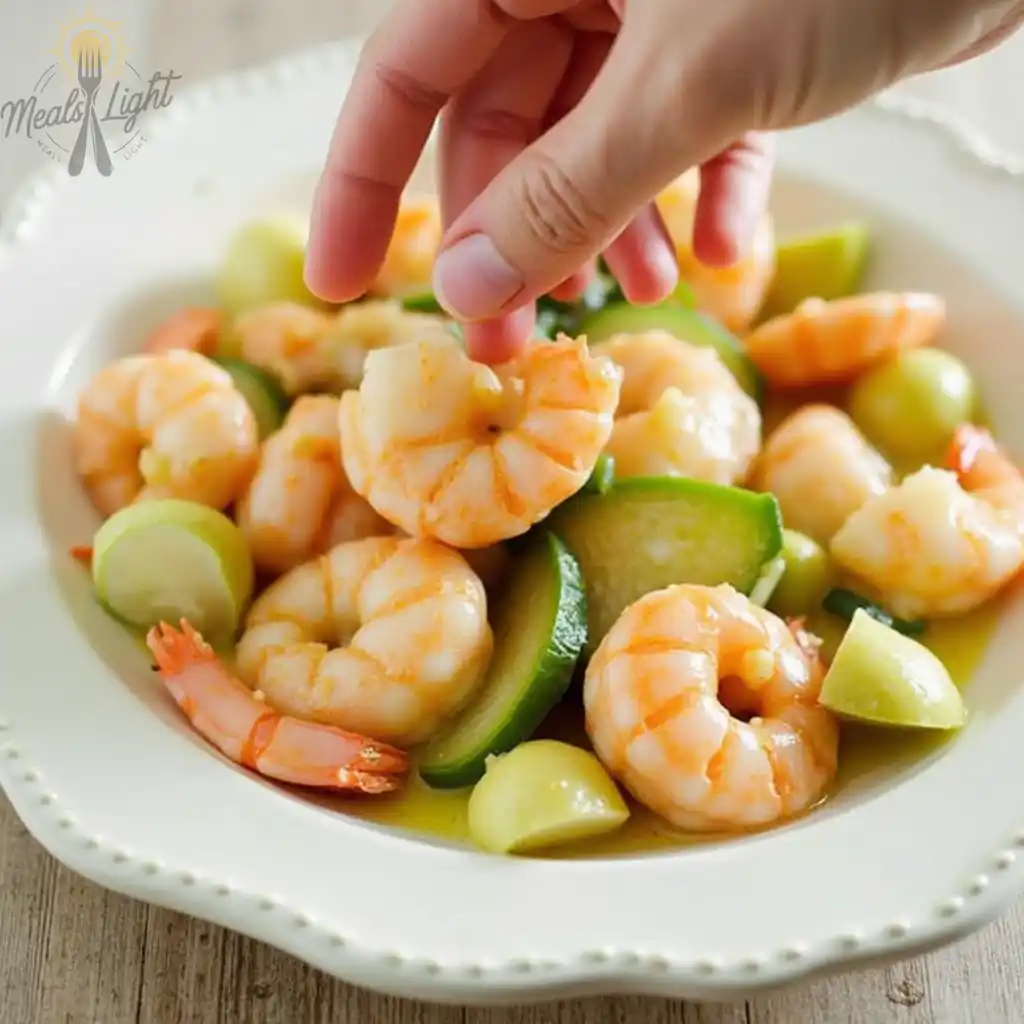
column 168, row 560
column 544, row 793
column 881, row 677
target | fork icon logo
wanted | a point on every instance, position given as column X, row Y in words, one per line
column 90, row 75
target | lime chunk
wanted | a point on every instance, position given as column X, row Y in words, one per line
column 544, row 793
column 168, row 560
column 264, row 263
column 827, row 264
column 265, row 396
column 540, row 628
column 882, row 677
column 807, row 577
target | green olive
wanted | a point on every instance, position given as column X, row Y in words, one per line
column 263, row 264
column 807, row 578
column 910, row 406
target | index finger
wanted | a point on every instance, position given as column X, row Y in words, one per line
column 418, row 58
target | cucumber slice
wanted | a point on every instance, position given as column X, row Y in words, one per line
column 424, row 303
column 544, row 793
column 539, row 632
column 602, row 476
column 167, row 560
column 882, row 677
column 647, row 533
column 685, row 324
column 265, row 396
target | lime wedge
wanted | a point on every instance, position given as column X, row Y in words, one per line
column 168, row 560
column 882, row 677
column 825, row 264
column 543, row 793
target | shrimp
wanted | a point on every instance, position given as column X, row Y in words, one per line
column 385, row 636
column 470, row 454
column 312, row 350
column 244, row 729
column 409, row 262
column 732, row 294
column 821, row 469
column 197, row 329
column 299, row 502
column 832, row 342
column 681, row 411
column 164, row 426
column 945, row 540
column 662, row 695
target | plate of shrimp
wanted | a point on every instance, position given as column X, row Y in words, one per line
column 577, row 663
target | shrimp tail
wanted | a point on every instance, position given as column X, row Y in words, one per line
column 81, row 553
column 288, row 749
column 197, row 329
column 977, row 459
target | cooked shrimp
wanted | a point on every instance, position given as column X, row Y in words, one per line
column 732, row 294
column 943, row 541
column 299, row 502
column 409, row 262
column 197, row 329
column 681, row 411
column 662, row 693
column 821, row 469
column 470, row 454
column 243, row 728
column 384, row 636
column 164, row 426
column 311, row 350
column 832, row 342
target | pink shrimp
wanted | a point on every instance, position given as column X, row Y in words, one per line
column 225, row 712
column 195, row 328
column 832, row 342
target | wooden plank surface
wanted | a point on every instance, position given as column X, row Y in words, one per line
column 71, row 953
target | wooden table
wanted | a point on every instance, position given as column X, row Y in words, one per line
column 71, row 952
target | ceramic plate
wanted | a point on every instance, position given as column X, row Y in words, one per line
column 104, row 771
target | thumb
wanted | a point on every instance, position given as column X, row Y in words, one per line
column 573, row 191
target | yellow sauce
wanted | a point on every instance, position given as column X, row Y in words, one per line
column 864, row 752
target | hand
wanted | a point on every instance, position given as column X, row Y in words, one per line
column 561, row 120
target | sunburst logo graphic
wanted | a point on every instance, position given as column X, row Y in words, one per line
column 90, row 100
column 87, row 35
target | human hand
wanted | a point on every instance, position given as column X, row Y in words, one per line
column 561, row 119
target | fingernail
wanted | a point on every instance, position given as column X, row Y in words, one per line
column 472, row 280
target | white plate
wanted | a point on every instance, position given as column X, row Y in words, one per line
column 104, row 771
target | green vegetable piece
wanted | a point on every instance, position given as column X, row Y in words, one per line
column 881, row 677
column 602, row 476
column 264, row 263
column 540, row 629
column 685, row 324
column 542, row 794
column 910, row 406
column 767, row 582
column 265, row 396
column 425, row 303
column 807, row 577
column 646, row 533
column 825, row 264
column 166, row 559
column 845, row 604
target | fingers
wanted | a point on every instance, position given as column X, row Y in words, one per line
column 486, row 127
column 643, row 259
column 399, row 87
column 1010, row 22
column 734, row 192
column 573, row 192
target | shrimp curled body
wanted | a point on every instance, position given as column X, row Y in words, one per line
column 244, row 729
column 657, row 696
column 821, row 469
column 681, row 411
column 384, row 636
column 469, row 454
column 299, row 502
column 164, row 426
column 833, row 342
column 945, row 540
